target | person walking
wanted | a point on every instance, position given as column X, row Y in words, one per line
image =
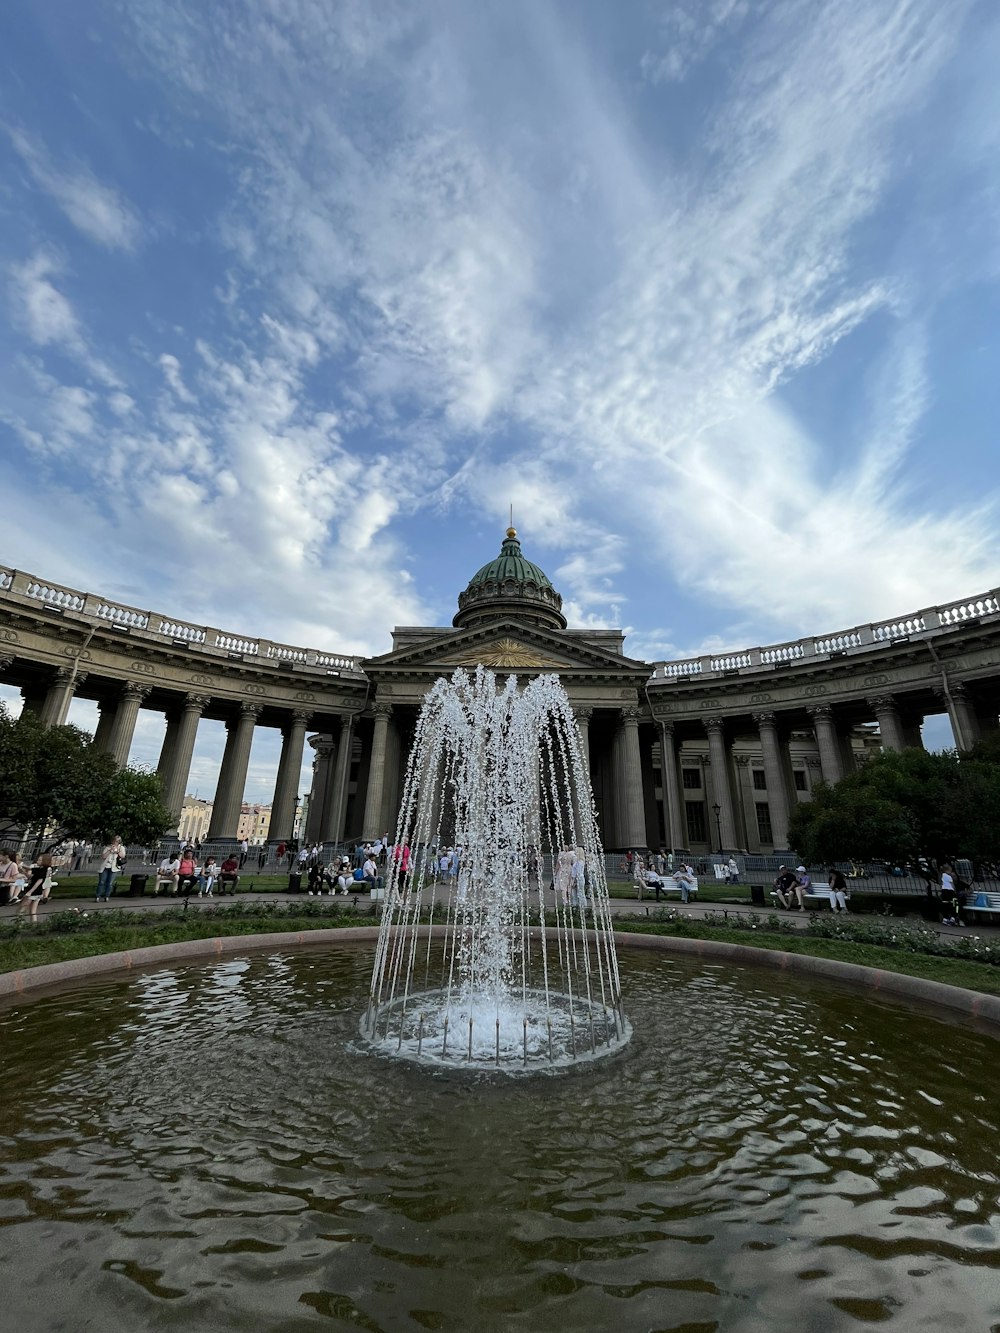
column 40, row 884
column 112, row 860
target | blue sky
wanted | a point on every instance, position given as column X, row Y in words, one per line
column 300, row 296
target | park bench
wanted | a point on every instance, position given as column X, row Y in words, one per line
column 814, row 901
column 668, row 886
column 986, row 903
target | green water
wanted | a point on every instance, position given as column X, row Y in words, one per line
column 206, row 1148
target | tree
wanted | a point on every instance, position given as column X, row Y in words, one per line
column 906, row 804
column 57, row 784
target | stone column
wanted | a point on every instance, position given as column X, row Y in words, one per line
column 286, row 784
column 673, row 804
column 774, row 774
column 126, row 716
column 390, row 787
column 961, row 714
column 632, row 829
column 718, row 754
column 328, row 812
column 748, row 804
column 106, row 709
column 175, row 757
column 60, row 694
column 376, row 773
column 233, row 774
column 826, row 742
column 890, row 724
column 323, row 749
column 342, row 777
column 583, row 716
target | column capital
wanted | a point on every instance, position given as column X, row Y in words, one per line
column 630, row 715
column 714, row 724
column 741, row 760
column 65, row 675
column 248, row 709
column 5, row 662
column 196, row 703
column 583, row 714
column 820, row 712
column 765, row 720
column 382, row 709
column 323, row 745
column 300, row 717
column 881, row 703
column 666, row 726
column 134, row 689
column 955, row 688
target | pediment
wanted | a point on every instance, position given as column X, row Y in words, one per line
column 503, row 645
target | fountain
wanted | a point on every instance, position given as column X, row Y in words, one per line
column 504, row 957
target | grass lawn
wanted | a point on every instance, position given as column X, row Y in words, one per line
column 951, row 971
column 27, row 946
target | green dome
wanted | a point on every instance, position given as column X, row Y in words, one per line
column 510, row 586
column 510, row 564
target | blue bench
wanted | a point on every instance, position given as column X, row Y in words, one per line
column 986, row 903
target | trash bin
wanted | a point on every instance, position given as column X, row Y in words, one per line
column 137, row 886
column 757, row 895
column 294, row 883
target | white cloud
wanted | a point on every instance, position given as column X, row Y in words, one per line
column 441, row 291
column 48, row 318
column 95, row 209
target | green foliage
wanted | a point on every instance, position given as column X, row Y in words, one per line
column 903, row 805
column 54, row 781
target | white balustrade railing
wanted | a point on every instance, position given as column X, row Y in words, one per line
column 987, row 605
column 175, row 629
column 337, row 662
column 899, row 629
column 839, row 643
column 121, row 615
column 232, row 643
column 882, row 634
column 673, row 669
column 732, row 662
column 53, row 595
column 283, row 652
column 782, row 652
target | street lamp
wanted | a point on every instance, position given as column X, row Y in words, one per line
column 717, row 811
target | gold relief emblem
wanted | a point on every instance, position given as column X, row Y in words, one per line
column 508, row 653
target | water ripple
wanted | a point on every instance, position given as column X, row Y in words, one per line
column 205, row 1146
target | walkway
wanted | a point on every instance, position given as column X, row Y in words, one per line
column 618, row 906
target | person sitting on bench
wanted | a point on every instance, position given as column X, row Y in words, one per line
column 784, row 888
column 229, row 875
column 187, row 872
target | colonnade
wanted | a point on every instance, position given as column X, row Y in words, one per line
column 118, row 715
column 899, row 729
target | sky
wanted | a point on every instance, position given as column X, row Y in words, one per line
column 301, row 296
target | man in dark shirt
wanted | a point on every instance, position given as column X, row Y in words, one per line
column 784, row 887
column 228, row 876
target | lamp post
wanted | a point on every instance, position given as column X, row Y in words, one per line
column 717, row 811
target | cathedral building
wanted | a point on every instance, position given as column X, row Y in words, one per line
column 708, row 754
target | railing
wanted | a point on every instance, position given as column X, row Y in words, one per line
column 128, row 619
column 987, row 605
column 860, row 638
column 880, row 634
column 121, row 615
column 52, row 595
